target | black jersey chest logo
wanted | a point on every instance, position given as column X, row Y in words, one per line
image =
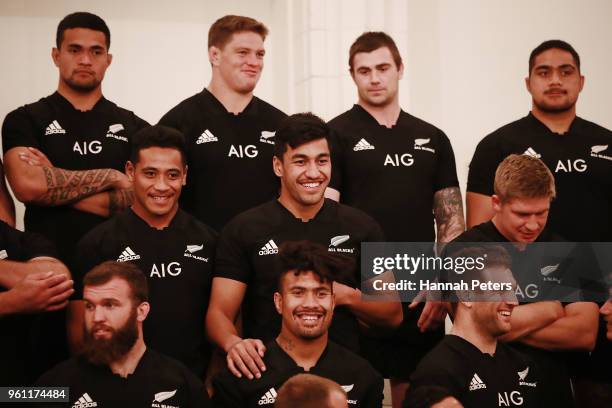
column 113, row 132
column 54, row 128
column 193, row 251
column 601, row 152
column 423, row 145
column 207, row 137
column 335, row 242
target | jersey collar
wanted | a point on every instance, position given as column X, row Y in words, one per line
column 99, row 106
column 214, row 105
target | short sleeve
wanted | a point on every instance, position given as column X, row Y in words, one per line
column 483, row 166
column 446, row 173
column 19, row 129
column 231, row 260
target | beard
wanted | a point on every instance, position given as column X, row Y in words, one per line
column 82, row 87
column 548, row 108
column 106, row 351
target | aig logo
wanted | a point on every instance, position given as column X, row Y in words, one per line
column 85, row 148
column 512, row 399
column 171, row 269
column 397, row 160
column 241, row 151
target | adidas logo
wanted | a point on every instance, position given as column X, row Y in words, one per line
column 476, row 383
column 194, row 248
column 266, row 136
column 206, row 137
column 547, row 270
column 268, row 398
column 363, row 145
column 418, row 145
column 54, row 127
column 532, row 153
column 595, row 150
column 85, row 402
column 269, row 249
column 112, row 129
column 127, row 255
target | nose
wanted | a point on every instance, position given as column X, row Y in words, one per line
column 160, row 183
column 252, row 59
column 312, row 170
column 532, row 223
column 98, row 314
column 374, row 77
column 555, row 77
column 85, row 58
column 310, row 300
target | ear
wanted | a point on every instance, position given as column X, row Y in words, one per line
column 55, row 56
column 109, row 59
column 214, row 55
column 467, row 304
column 496, row 203
column 278, row 302
column 277, row 166
column 527, row 85
column 185, row 175
column 581, row 82
column 400, row 71
column 129, row 170
column 142, row 311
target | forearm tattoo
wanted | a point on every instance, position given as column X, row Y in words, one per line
column 448, row 212
column 119, row 200
column 68, row 186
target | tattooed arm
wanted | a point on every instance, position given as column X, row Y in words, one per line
column 107, row 203
column 448, row 212
column 45, row 185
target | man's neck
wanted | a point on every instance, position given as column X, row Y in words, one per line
column 385, row 115
column 305, row 213
column 473, row 334
column 83, row 101
column 234, row 102
column 155, row 221
column 305, row 352
column 518, row 245
column 557, row 122
column 127, row 365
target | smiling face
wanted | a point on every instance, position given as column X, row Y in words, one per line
column 304, row 173
column 554, row 81
column 158, row 178
column 306, row 305
column 377, row 77
column 82, row 59
column 238, row 65
column 521, row 219
column 493, row 317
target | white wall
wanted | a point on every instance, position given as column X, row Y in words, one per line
column 465, row 60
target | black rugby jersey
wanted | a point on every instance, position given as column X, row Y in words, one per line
column 72, row 140
column 178, row 263
column 229, row 156
column 507, row 378
column 157, row 382
column 362, row 384
column 16, row 353
column 580, row 160
column 392, row 173
column 557, row 389
column 247, row 249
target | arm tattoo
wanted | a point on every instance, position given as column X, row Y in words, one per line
column 448, row 212
column 68, row 186
column 119, row 200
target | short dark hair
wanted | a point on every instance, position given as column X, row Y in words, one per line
column 307, row 256
column 127, row 271
column 158, row 136
column 550, row 44
column 306, row 391
column 299, row 129
column 222, row 30
column 373, row 40
column 82, row 19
